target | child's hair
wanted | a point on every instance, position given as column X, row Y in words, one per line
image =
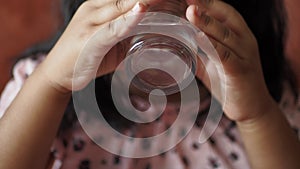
column 266, row 19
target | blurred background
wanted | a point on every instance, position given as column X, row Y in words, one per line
column 24, row 23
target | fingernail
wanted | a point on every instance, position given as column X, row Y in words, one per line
column 137, row 7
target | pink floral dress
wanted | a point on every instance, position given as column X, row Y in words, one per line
column 74, row 149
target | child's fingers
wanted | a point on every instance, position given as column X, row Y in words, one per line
column 108, row 35
column 213, row 28
column 110, row 10
column 114, row 30
column 100, row 12
column 100, row 3
column 208, row 72
column 223, row 12
column 225, row 54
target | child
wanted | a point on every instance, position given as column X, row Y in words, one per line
column 255, row 133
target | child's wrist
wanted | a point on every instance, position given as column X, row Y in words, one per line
column 41, row 75
column 262, row 115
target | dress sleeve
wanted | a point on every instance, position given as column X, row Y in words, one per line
column 21, row 71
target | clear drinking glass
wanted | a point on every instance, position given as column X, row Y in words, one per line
column 153, row 57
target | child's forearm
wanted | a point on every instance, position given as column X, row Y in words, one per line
column 29, row 125
column 270, row 142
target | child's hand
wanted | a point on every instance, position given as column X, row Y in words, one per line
column 91, row 17
column 246, row 94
